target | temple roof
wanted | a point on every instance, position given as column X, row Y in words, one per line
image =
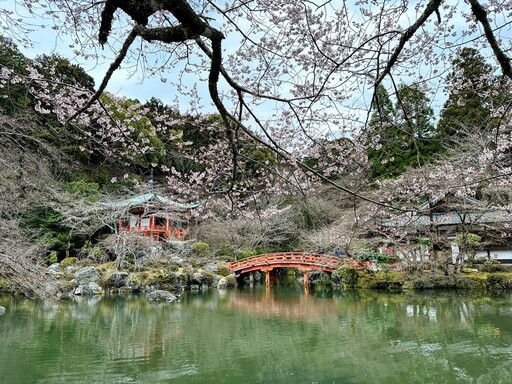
column 149, row 198
column 449, row 210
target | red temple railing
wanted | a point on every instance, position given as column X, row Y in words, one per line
column 301, row 260
column 285, row 260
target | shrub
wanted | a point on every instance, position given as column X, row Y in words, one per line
column 90, row 191
column 494, row 266
column 245, row 253
column 93, row 252
column 366, row 254
column 223, row 270
column 202, row 249
column 261, row 250
column 53, row 257
column 225, row 250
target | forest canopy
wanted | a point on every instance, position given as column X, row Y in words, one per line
column 294, row 77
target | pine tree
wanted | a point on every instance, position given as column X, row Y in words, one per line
column 400, row 136
column 13, row 98
column 381, row 133
column 467, row 109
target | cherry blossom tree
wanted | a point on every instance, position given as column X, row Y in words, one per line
column 290, row 76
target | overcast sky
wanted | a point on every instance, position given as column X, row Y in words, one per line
column 122, row 84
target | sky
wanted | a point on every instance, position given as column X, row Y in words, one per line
column 123, row 83
column 133, row 85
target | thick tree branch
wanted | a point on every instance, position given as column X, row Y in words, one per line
column 432, row 7
column 481, row 15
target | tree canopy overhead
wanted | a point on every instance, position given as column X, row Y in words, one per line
column 285, row 74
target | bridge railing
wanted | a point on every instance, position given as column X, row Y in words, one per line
column 283, row 258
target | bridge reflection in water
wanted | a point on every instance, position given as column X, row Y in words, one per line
column 290, row 306
column 268, row 263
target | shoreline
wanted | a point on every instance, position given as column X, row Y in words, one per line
column 72, row 277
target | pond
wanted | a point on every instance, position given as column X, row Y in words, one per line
column 258, row 336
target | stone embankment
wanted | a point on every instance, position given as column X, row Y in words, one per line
column 156, row 279
column 402, row 280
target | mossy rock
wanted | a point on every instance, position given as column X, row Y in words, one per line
column 231, row 280
column 105, row 267
column 345, row 277
column 500, row 280
column 391, row 281
column 472, row 282
column 444, row 281
column 5, row 286
column 495, row 267
column 223, row 270
column 158, row 279
column 68, row 261
column 419, row 284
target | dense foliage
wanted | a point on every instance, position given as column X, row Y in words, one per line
column 309, row 98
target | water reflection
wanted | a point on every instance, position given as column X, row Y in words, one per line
column 280, row 336
column 284, row 304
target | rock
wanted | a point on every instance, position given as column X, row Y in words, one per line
column 156, row 251
column 2, row 310
column 141, row 255
column 197, row 278
column 181, row 280
column 118, row 279
column 159, row 295
column 68, row 262
column 125, row 290
column 55, row 270
column 248, row 279
column 194, row 287
column 177, row 260
column 231, row 279
column 318, row 277
column 63, row 296
column 55, row 267
column 422, row 284
column 212, row 268
column 223, row 283
column 79, row 290
column 86, row 275
column 88, row 289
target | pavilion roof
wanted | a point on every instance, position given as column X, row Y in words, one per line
column 148, row 199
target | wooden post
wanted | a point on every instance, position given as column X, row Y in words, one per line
column 267, row 279
column 306, row 281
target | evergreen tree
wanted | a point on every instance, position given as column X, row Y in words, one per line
column 403, row 135
column 57, row 68
column 381, row 133
column 14, row 98
column 467, row 108
column 414, row 116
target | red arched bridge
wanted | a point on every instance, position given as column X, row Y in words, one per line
column 303, row 261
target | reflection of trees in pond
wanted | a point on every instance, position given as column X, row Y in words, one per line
column 446, row 336
column 303, row 307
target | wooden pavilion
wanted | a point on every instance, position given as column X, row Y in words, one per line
column 154, row 216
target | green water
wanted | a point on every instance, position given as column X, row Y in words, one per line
column 282, row 336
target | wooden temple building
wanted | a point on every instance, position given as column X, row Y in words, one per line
column 441, row 219
column 153, row 216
